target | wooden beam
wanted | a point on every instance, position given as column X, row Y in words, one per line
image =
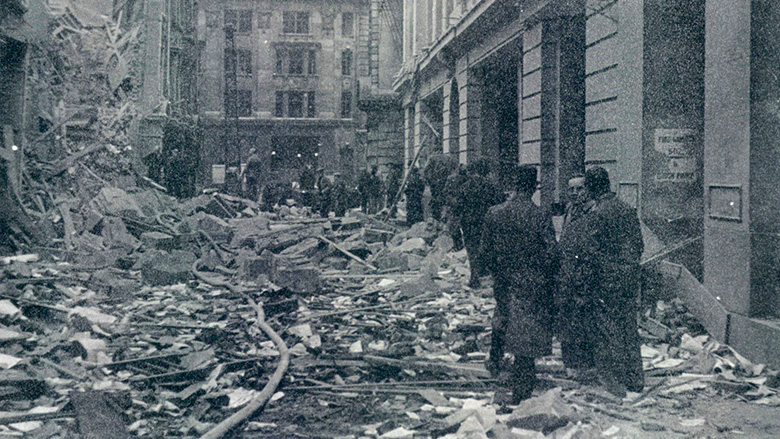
column 347, row 252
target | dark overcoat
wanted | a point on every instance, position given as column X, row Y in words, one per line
column 518, row 250
column 600, row 268
column 476, row 195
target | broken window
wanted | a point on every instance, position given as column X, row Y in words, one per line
column 295, row 22
column 346, row 104
column 346, row 62
column 347, row 24
column 239, row 19
column 238, row 103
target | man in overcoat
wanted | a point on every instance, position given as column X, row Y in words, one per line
column 607, row 245
column 415, row 186
column 574, row 318
column 477, row 194
column 518, row 250
column 452, row 192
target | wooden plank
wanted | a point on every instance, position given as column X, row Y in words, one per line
column 96, row 417
column 348, row 253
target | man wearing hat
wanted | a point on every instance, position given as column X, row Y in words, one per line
column 518, row 251
column 253, row 171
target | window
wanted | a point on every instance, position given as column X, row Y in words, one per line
column 279, row 111
column 264, row 20
column 295, row 104
column 327, row 22
column 347, row 24
column 295, row 22
column 242, row 58
column 346, row 62
column 280, row 55
column 311, row 108
column 312, row 62
column 238, row 103
column 239, row 19
column 346, row 104
column 296, row 60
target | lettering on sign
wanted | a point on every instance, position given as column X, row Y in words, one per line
column 678, row 145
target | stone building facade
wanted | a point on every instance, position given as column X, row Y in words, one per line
column 286, row 81
column 674, row 98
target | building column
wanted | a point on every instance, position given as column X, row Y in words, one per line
column 418, row 135
column 151, row 127
column 408, row 135
column 445, row 126
column 470, row 98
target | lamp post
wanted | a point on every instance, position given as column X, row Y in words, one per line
column 231, row 103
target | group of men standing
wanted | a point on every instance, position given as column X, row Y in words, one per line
column 582, row 289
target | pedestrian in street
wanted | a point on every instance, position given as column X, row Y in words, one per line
column 518, row 250
column 573, row 319
column 308, row 182
column 392, row 184
column 370, row 188
column 339, row 196
column 323, row 193
column 606, row 244
column 452, row 192
column 175, row 173
column 415, row 186
column 253, row 171
column 438, row 168
column 478, row 193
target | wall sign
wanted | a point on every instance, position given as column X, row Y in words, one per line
column 678, row 146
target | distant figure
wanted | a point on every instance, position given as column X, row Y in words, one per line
column 339, row 195
column 175, row 176
column 363, row 184
column 374, row 191
column 253, row 171
column 572, row 294
column 308, row 182
column 604, row 248
column 324, row 189
column 477, row 194
column 452, row 192
column 415, row 187
column 438, row 168
column 392, row 184
column 518, row 250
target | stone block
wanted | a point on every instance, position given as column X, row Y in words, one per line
column 387, row 259
column 336, row 262
column 265, row 264
column 116, row 202
column 112, row 283
column 116, row 236
column 166, row 268
column 544, row 413
column 300, row 279
column 412, row 245
column 307, row 248
column 217, row 228
column 157, row 240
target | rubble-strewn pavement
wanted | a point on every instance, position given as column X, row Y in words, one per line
column 384, row 338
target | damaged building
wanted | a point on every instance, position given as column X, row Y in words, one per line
column 566, row 85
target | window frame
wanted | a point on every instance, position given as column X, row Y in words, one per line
column 346, row 104
column 241, row 95
column 239, row 20
column 346, row 62
column 348, row 31
column 297, row 22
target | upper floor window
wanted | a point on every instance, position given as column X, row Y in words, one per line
column 242, row 59
column 239, row 19
column 264, row 20
column 295, row 104
column 238, row 103
column 347, row 24
column 295, row 22
column 346, row 62
column 296, row 60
